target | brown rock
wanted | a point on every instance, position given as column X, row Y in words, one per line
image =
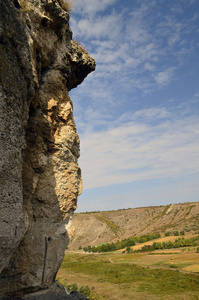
column 40, row 178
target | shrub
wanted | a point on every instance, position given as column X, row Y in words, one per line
column 72, row 287
column 128, row 249
column 175, row 233
column 197, row 250
column 168, row 233
column 146, row 248
column 85, row 290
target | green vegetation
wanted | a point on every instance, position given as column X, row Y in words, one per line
column 168, row 233
column 163, row 253
column 165, row 210
column 189, row 210
column 84, row 289
column 178, row 243
column 110, row 224
column 122, row 244
column 108, row 277
column 175, row 233
column 72, row 287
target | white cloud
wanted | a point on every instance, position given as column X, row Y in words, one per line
column 164, row 77
column 138, row 51
column 137, row 149
column 152, row 113
column 149, row 67
column 99, row 27
column 92, row 7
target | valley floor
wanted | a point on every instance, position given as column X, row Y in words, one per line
column 161, row 274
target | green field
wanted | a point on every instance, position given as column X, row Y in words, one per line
column 161, row 274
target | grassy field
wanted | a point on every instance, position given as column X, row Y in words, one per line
column 161, row 274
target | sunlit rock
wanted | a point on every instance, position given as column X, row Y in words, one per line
column 40, row 179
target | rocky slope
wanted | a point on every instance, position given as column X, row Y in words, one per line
column 40, row 179
column 109, row 226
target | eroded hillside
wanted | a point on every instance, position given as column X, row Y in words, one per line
column 109, row 226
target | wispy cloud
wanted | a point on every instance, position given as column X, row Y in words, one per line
column 134, row 114
column 94, row 28
column 146, row 44
column 152, row 144
column 164, row 77
column 87, row 7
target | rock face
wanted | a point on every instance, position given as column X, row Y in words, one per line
column 40, row 179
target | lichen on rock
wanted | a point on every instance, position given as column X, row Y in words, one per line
column 40, row 178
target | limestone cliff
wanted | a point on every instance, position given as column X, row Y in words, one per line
column 40, row 179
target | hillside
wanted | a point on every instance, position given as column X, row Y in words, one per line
column 93, row 228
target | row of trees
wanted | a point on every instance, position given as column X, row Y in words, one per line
column 122, row 244
column 178, row 243
column 175, row 233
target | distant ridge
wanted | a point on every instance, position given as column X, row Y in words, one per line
column 93, row 228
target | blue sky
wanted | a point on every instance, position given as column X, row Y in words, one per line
column 137, row 115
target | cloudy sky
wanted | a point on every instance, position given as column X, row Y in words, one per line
column 137, row 115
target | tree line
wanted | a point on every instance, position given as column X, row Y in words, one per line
column 106, row 247
column 178, row 243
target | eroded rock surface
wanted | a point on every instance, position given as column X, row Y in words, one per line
column 40, row 179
